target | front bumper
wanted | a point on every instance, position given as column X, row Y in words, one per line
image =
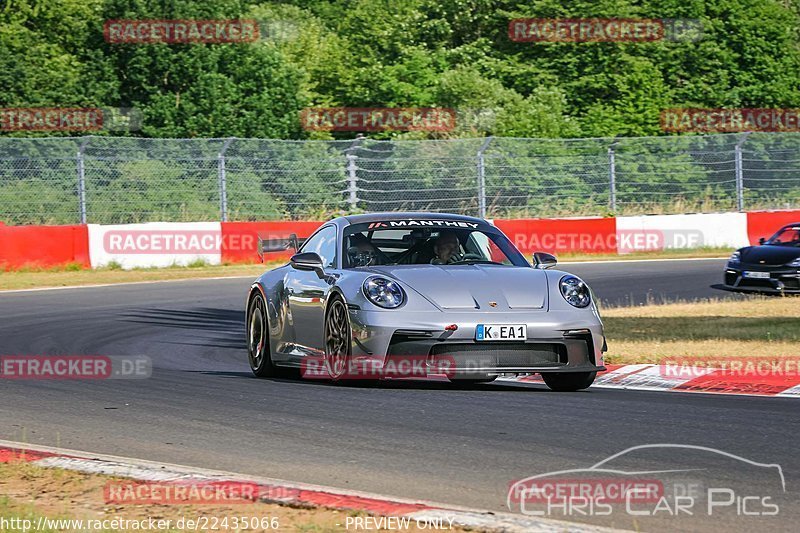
column 556, row 341
column 781, row 280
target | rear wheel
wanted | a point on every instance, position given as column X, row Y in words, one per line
column 258, row 350
column 568, row 382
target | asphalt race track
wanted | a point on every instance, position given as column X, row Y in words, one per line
column 638, row 282
column 202, row 406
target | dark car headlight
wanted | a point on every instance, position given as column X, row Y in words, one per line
column 735, row 257
column 794, row 264
column 575, row 291
column 384, row 292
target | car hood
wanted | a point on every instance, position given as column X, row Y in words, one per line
column 769, row 255
column 473, row 286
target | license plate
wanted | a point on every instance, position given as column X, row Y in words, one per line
column 501, row 332
column 756, row 275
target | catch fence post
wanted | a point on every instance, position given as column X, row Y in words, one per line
column 352, row 176
column 222, row 179
column 739, row 169
column 482, row 177
column 352, row 182
column 612, row 177
column 82, row 180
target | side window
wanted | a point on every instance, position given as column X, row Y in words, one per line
column 324, row 244
column 476, row 243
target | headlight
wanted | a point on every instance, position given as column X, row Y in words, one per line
column 575, row 291
column 735, row 257
column 795, row 263
column 384, row 292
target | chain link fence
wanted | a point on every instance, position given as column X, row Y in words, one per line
column 124, row 180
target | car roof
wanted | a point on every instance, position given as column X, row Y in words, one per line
column 408, row 215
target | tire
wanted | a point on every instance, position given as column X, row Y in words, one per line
column 337, row 334
column 568, row 382
column 258, row 350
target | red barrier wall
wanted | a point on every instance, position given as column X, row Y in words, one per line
column 43, row 246
column 587, row 235
column 58, row 245
column 240, row 239
column 766, row 223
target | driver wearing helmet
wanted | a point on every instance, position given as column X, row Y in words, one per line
column 361, row 252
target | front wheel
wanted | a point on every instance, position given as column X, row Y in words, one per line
column 568, row 382
column 337, row 339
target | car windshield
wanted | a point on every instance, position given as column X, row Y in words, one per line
column 788, row 236
column 367, row 245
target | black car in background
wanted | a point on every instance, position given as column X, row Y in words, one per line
column 773, row 266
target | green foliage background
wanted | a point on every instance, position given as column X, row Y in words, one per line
column 581, row 98
column 450, row 53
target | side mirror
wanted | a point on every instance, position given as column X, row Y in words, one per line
column 543, row 261
column 307, row 261
column 762, row 240
column 266, row 245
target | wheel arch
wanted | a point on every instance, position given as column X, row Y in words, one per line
column 255, row 288
column 335, row 292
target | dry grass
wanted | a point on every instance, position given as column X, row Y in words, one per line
column 30, row 492
column 38, row 278
column 763, row 327
column 695, row 253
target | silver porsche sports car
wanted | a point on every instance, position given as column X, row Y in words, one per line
column 410, row 294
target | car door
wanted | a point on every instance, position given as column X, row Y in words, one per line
column 307, row 292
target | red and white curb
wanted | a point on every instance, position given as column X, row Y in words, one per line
column 652, row 377
column 286, row 492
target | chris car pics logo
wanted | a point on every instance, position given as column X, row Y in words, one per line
column 684, row 480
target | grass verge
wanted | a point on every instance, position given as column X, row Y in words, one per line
column 692, row 253
column 67, row 277
column 30, row 492
column 756, row 327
